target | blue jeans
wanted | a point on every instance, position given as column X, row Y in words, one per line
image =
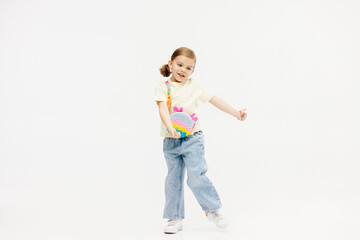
column 187, row 152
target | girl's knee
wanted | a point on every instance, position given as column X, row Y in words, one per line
column 196, row 180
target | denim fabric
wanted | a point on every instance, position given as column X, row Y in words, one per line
column 187, row 152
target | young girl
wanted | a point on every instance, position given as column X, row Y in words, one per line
column 187, row 152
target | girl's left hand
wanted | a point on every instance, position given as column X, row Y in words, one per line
column 242, row 115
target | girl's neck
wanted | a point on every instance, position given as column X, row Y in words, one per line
column 172, row 79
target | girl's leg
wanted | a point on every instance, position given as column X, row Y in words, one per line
column 199, row 183
column 174, row 182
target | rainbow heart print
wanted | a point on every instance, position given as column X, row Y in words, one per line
column 183, row 122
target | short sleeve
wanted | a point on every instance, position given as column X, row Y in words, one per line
column 160, row 93
column 205, row 93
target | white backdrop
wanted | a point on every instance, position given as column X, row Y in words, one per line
column 80, row 153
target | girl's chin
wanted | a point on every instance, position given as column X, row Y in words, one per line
column 178, row 79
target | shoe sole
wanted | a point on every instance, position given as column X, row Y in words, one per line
column 173, row 232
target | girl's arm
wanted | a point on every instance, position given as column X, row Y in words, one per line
column 165, row 118
column 223, row 106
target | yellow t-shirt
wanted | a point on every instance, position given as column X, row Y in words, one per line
column 183, row 95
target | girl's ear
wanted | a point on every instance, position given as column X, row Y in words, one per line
column 170, row 64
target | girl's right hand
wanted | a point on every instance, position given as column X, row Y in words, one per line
column 242, row 114
column 174, row 133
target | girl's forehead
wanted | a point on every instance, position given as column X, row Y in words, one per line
column 185, row 60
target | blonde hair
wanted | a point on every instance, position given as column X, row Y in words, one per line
column 182, row 51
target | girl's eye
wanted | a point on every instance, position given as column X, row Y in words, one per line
column 179, row 65
column 189, row 69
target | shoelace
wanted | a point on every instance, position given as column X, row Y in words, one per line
column 172, row 222
column 216, row 216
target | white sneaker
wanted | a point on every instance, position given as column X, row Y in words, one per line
column 173, row 226
column 218, row 219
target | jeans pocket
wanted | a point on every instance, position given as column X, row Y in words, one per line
column 199, row 138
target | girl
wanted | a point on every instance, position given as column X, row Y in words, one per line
column 187, row 152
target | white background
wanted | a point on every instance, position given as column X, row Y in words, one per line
column 80, row 153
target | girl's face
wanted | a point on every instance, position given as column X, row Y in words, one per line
column 182, row 67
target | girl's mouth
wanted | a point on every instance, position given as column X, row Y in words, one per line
column 181, row 75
